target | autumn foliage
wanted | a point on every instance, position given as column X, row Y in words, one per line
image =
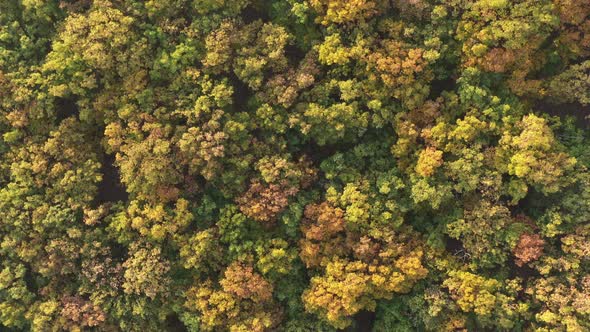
column 294, row 165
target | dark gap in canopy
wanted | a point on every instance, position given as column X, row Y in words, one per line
column 174, row 324
column 110, row 189
column 65, row 108
column 579, row 112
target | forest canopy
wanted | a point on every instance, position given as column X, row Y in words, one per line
column 294, row 165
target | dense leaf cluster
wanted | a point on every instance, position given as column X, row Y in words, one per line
column 288, row 165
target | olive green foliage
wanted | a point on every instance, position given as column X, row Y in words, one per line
column 293, row 165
